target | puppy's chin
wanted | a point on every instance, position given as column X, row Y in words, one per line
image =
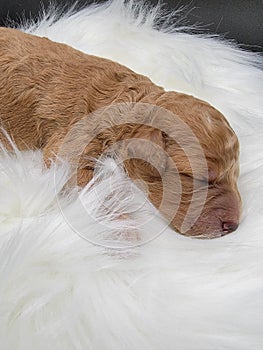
column 210, row 229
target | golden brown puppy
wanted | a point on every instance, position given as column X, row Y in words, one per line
column 64, row 101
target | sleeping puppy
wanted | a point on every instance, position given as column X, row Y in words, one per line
column 80, row 106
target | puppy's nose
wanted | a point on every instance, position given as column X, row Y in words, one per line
column 229, row 226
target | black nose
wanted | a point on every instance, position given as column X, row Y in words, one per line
column 229, row 226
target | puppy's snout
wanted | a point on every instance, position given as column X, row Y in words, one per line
column 219, row 217
column 229, row 216
column 229, row 226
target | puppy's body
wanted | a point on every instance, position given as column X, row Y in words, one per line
column 46, row 88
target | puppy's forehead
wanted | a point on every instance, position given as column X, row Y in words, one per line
column 202, row 117
column 215, row 135
column 213, row 127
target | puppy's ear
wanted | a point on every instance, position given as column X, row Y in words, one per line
column 151, row 134
column 147, row 145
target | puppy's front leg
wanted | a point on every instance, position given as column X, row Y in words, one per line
column 59, row 148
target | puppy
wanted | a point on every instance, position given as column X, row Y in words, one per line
column 66, row 102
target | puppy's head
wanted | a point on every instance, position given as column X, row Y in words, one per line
column 194, row 164
column 183, row 151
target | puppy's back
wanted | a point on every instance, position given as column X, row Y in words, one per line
column 46, row 85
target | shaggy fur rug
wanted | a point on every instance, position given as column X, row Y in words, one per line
column 59, row 290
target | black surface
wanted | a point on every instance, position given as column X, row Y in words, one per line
column 17, row 9
column 240, row 20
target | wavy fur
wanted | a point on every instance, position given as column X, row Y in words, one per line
column 59, row 291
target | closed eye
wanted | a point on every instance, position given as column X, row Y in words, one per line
column 201, row 182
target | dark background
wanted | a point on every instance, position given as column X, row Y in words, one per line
column 240, row 20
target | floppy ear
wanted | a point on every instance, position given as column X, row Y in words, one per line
column 147, row 145
column 148, row 133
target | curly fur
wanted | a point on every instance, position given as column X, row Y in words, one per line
column 48, row 88
column 61, row 292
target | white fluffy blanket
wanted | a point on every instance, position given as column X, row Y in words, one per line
column 60, row 291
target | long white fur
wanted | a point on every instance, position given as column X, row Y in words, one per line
column 60, row 291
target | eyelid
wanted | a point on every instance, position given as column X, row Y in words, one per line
column 205, row 181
